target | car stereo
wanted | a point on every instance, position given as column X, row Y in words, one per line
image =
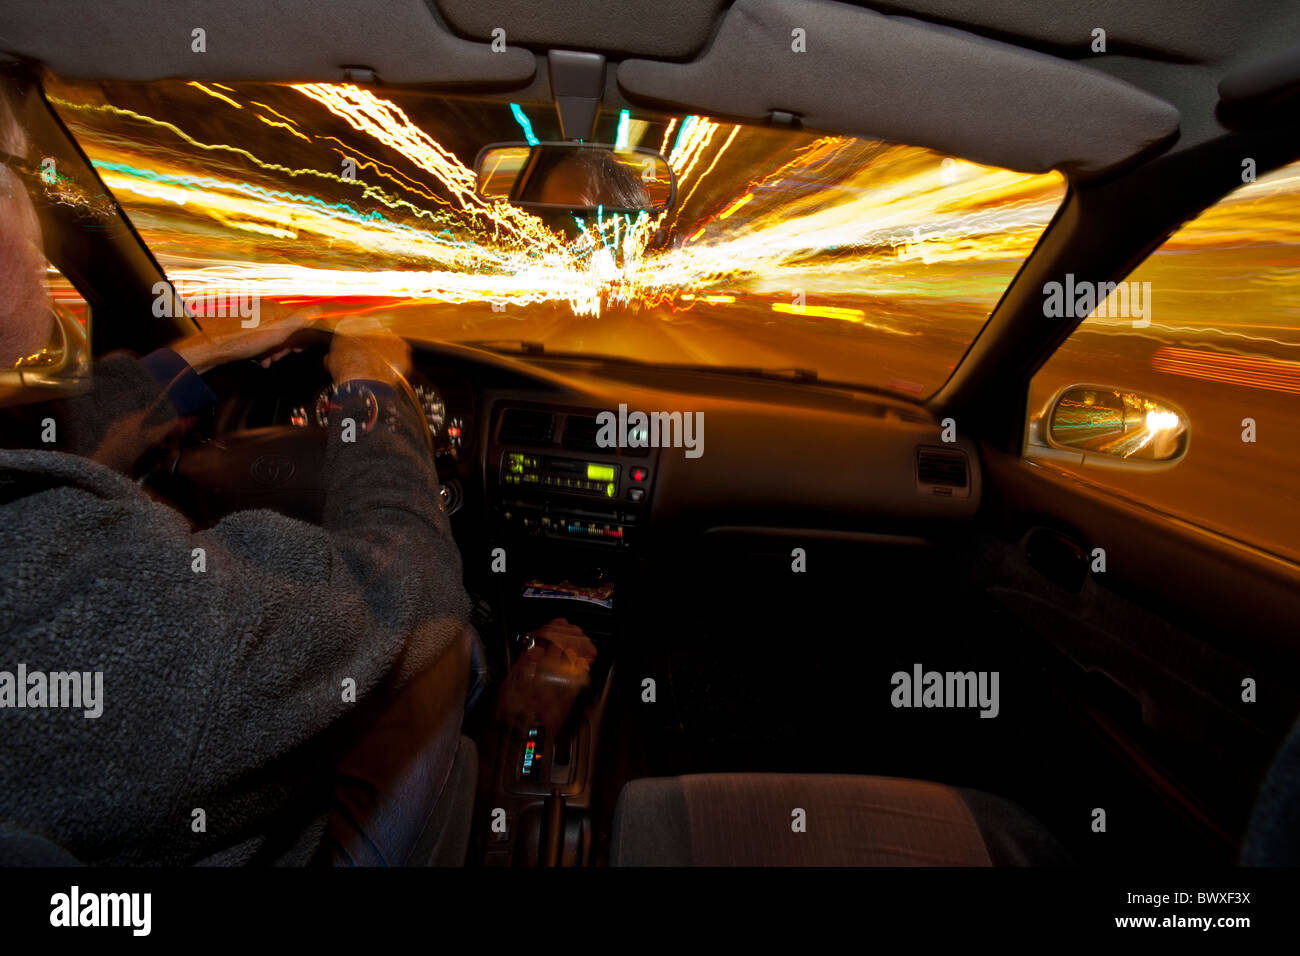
column 572, row 475
column 575, row 499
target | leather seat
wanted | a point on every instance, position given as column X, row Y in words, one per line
column 749, row 820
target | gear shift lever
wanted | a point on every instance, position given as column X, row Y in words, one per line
column 546, row 679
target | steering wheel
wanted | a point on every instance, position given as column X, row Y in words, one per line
column 276, row 466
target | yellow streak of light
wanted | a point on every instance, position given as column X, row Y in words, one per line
column 291, row 122
column 259, row 227
column 697, row 142
column 821, row 311
column 704, row 175
column 221, row 96
column 730, row 210
column 283, row 126
column 672, row 125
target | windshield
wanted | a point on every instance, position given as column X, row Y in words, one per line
column 862, row 261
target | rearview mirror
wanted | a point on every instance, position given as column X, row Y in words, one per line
column 576, row 177
column 1098, row 420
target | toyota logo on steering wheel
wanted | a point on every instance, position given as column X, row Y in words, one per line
column 271, row 469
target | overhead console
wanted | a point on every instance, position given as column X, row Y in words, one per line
column 549, row 478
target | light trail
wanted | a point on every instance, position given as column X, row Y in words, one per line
column 1246, row 371
column 215, row 94
column 831, row 215
column 759, row 214
column 820, row 311
column 526, row 126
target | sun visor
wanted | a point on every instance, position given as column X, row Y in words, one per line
column 284, row 40
column 1269, row 77
column 843, row 69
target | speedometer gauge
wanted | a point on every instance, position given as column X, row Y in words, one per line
column 328, row 401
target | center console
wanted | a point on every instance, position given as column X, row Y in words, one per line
column 568, row 517
column 552, row 480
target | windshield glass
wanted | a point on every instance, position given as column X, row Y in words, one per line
column 863, row 261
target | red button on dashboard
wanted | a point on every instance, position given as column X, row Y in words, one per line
column 639, row 474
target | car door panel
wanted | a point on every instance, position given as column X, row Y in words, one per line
column 1173, row 626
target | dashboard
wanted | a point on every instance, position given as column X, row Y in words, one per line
column 515, row 443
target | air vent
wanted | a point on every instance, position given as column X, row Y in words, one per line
column 940, row 471
column 580, row 433
column 524, row 426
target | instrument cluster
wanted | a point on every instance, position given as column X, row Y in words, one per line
column 447, row 423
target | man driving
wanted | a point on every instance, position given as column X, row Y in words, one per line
column 272, row 691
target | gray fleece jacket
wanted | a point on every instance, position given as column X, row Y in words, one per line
column 223, row 690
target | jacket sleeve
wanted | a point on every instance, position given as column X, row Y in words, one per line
column 161, row 384
column 305, row 623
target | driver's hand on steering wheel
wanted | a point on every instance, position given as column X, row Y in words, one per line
column 363, row 348
column 226, row 340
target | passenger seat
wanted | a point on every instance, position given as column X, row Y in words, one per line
column 752, row 820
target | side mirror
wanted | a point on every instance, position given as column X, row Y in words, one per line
column 1112, row 426
column 576, row 177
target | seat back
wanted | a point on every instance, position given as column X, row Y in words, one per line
column 1273, row 838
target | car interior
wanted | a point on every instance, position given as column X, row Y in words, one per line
column 797, row 436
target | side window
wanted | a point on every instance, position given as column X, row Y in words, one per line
column 44, row 321
column 56, row 361
column 1212, row 328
